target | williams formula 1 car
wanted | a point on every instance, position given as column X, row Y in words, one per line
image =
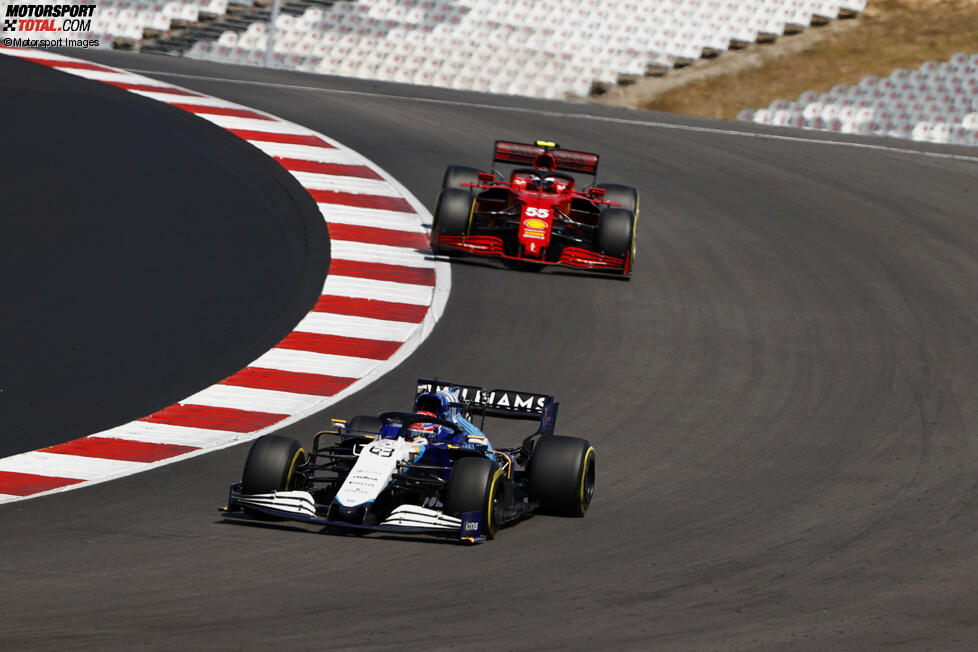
column 537, row 214
column 430, row 471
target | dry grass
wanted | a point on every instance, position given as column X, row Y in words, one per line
column 891, row 34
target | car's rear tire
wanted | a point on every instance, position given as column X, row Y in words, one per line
column 456, row 175
column 561, row 475
column 271, row 465
column 453, row 214
column 476, row 485
column 626, row 196
column 616, row 235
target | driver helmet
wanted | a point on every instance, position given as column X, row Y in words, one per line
column 426, row 430
column 556, row 184
column 439, row 403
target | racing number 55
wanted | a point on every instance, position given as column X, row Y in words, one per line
column 542, row 213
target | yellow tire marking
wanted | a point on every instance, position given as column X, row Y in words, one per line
column 490, row 526
column 468, row 227
column 635, row 227
column 295, row 459
column 587, row 456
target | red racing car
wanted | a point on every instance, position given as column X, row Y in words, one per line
column 537, row 215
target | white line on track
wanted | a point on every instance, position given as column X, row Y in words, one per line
column 373, row 217
column 164, row 433
column 368, row 288
column 66, row 466
column 356, row 185
column 103, row 76
column 249, row 398
column 309, row 153
column 370, row 253
column 253, row 124
column 352, row 326
column 343, row 214
column 170, row 98
column 580, row 116
column 321, row 363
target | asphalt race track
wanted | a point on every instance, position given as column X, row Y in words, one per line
column 146, row 255
column 783, row 400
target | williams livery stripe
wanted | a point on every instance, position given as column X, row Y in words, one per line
column 506, row 400
column 382, row 297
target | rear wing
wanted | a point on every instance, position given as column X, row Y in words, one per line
column 500, row 403
column 525, row 154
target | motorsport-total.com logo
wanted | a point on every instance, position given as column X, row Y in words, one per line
column 47, row 18
column 47, row 25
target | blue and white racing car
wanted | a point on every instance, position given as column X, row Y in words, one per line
column 430, row 471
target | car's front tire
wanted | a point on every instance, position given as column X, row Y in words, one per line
column 271, row 465
column 456, row 175
column 625, row 196
column 453, row 215
column 476, row 485
column 561, row 475
column 616, row 232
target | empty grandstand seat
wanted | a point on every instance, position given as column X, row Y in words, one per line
column 605, row 39
column 200, row 50
column 933, row 103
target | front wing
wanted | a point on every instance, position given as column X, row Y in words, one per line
column 404, row 519
column 576, row 257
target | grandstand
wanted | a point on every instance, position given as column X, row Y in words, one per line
column 937, row 102
column 541, row 48
column 129, row 23
column 556, row 49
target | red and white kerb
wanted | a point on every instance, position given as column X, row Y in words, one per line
column 382, row 297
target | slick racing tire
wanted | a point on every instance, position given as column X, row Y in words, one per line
column 626, row 196
column 476, row 485
column 456, row 175
column 271, row 465
column 453, row 214
column 561, row 473
column 616, row 232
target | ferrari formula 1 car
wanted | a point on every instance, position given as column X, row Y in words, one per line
column 537, row 215
column 430, row 471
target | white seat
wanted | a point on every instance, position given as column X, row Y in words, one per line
column 813, row 110
column 864, row 127
column 830, row 111
column 745, row 115
column 921, row 131
column 828, row 10
column 200, row 50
